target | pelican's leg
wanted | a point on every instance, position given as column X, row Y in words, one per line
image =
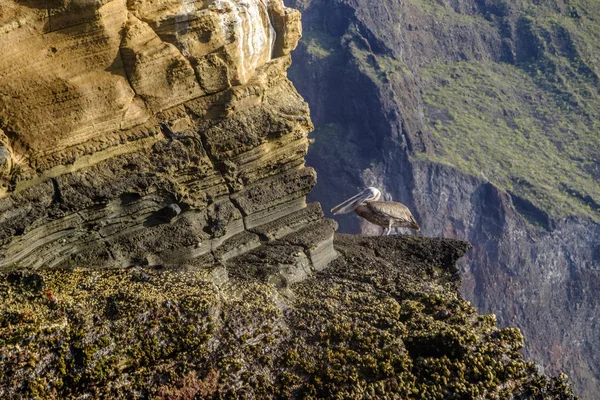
column 383, row 231
column 389, row 229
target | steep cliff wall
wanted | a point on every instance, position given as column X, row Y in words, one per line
column 482, row 116
column 151, row 133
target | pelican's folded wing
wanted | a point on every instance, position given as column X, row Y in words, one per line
column 393, row 210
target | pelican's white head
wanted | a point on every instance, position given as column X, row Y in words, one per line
column 375, row 194
column 369, row 194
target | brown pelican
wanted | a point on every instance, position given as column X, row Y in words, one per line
column 387, row 214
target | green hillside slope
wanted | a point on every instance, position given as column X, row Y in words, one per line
column 531, row 126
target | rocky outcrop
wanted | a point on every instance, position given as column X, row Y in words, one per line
column 151, row 133
column 385, row 319
column 464, row 111
column 155, row 240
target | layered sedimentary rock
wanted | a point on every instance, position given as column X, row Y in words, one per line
column 151, row 133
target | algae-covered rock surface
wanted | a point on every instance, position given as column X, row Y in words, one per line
column 384, row 320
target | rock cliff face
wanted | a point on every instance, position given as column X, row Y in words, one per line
column 152, row 133
column 481, row 116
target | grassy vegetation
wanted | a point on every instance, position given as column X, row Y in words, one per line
column 318, row 45
column 494, row 120
column 378, row 67
column 445, row 15
column 531, row 127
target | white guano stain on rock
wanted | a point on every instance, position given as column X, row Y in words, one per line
column 247, row 25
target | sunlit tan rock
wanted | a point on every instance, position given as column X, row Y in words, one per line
column 84, row 72
column 152, row 132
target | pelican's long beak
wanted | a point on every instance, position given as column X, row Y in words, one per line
column 414, row 224
column 350, row 204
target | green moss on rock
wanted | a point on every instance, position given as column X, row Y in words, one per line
column 385, row 319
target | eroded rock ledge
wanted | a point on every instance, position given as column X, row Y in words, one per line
column 383, row 320
column 151, row 133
